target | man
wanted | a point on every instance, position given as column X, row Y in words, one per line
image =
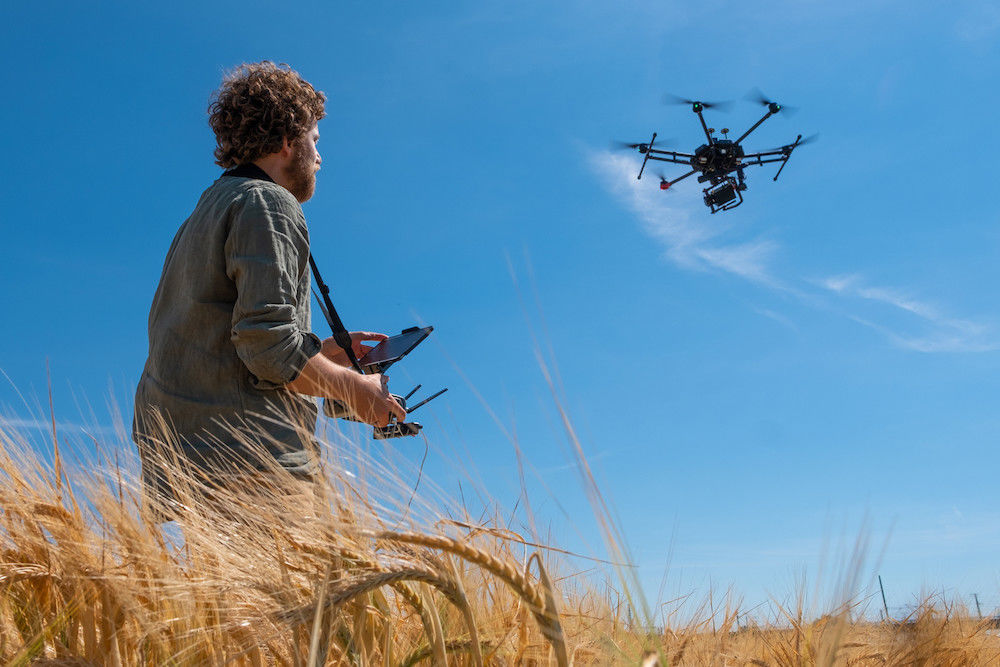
column 232, row 362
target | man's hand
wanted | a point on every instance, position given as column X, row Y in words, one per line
column 332, row 351
column 373, row 404
column 367, row 396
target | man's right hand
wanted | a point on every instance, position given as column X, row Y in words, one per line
column 372, row 402
column 366, row 396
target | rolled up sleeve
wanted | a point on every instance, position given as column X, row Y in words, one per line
column 267, row 252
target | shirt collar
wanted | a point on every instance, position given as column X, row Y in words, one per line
column 249, row 170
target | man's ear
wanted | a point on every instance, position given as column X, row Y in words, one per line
column 286, row 148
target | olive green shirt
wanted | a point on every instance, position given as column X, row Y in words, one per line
column 228, row 329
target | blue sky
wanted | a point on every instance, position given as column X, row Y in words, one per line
column 752, row 388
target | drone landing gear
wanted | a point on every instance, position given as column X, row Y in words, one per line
column 725, row 195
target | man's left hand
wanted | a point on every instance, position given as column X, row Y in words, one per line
column 336, row 354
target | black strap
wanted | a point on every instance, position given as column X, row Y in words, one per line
column 340, row 333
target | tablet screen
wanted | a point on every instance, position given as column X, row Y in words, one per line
column 395, row 347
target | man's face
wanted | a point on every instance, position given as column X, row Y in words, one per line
column 300, row 173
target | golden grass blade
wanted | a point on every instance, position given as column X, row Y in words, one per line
column 360, row 636
column 388, row 655
column 314, row 659
column 436, row 638
column 553, row 628
column 462, row 602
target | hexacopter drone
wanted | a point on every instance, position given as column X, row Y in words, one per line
column 719, row 159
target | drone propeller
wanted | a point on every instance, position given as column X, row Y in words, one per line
column 760, row 98
column 787, row 148
column 670, row 98
column 807, row 140
column 664, row 181
column 642, row 146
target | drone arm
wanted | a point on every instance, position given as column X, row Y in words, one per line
column 681, row 178
column 657, row 151
column 754, row 163
column 755, row 126
column 784, row 152
column 758, row 158
column 704, row 126
column 676, row 158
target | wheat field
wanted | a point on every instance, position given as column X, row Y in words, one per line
column 363, row 570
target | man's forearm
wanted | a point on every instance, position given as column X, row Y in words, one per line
column 323, row 377
column 366, row 396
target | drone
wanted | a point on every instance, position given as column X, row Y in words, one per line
column 719, row 159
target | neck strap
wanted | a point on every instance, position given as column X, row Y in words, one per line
column 340, row 333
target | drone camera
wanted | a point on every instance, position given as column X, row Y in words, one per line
column 721, row 196
column 724, row 196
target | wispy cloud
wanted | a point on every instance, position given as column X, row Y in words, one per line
column 906, row 321
column 777, row 317
column 688, row 244
column 915, row 324
column 853, row 285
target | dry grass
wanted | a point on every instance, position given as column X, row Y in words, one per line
column 362, row 573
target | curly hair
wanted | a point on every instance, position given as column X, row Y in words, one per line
column 257, row 107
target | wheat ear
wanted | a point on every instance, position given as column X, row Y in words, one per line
column 546, row 618
column 347, row 589
column 503, row 571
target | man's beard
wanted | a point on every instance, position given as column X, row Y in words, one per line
column 300, row 176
